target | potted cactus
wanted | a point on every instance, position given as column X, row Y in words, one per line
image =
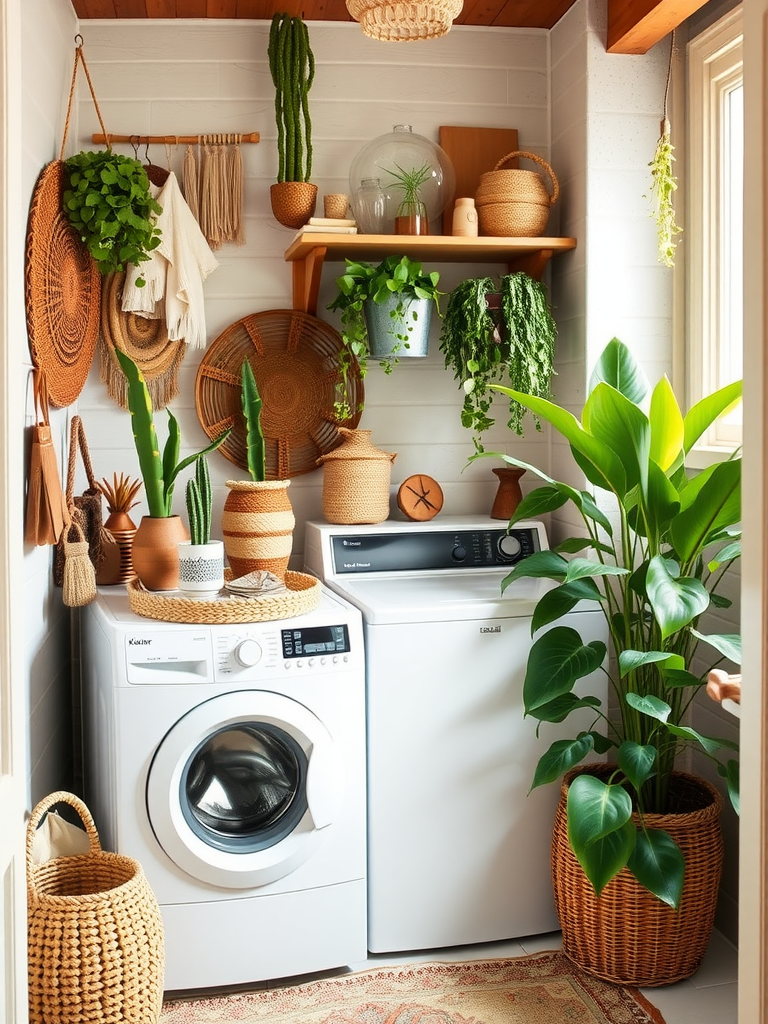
column 201, row 560
column 155, row 544
column 292, row 65
column 257, row 523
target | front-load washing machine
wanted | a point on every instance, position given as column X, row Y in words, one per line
column 458, row 849
column 229, row 760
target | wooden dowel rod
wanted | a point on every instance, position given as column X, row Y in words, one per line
column 171, row 140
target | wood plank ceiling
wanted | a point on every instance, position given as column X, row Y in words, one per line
column 634, row 26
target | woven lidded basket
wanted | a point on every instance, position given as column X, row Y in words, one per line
column 513, row 203
column 627, row 935
column 356, row 478
column 95, row 935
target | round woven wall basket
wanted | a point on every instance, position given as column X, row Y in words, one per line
column 295, row 360
column 62, row 292
column 627, row 935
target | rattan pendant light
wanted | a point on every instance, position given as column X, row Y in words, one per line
column 394, row 22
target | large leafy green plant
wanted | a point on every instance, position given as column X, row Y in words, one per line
column 656, row 567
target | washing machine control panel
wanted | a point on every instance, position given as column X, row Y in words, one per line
column 423, row 550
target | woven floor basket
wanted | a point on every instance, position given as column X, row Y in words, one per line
column 627, row 935
column 513, row 203
column 95, row 933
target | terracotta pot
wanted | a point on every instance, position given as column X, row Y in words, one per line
column 509, row 494
column 257, row 526
column 155, row 551
column 117, row 567
column 293, row 202
column 626, row 935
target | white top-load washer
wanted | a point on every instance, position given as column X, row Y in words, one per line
column 229, row 760
column 458, row 850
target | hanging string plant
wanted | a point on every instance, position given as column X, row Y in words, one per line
column 504, row 336
column 664, row 182
column 292, row 66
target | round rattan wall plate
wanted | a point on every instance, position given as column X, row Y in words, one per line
column 62, row 292
column 295, row 360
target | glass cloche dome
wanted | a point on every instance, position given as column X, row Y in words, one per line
column 412, row 175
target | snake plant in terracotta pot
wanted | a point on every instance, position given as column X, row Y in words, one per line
column 639, row 838
column 155, row 544
column 258, row 520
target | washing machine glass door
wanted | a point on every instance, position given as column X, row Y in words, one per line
column 241, row 788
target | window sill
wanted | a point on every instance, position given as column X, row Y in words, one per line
column 703, row 456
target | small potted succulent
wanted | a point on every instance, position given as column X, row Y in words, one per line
column 155, row 544
column 201, row 560
column 386, row 311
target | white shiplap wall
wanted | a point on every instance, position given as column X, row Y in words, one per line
column 186, row 77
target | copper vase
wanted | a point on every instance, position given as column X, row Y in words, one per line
column 509, row 494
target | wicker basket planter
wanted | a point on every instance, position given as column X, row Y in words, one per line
column 257, row 526
column 293, row 202
column 627, row 935
column 96, row 953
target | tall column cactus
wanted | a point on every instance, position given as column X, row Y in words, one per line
column 292, row 65
column 199, row 497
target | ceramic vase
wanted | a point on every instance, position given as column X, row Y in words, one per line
column 509, row 494
column 257, row 526
column 155, row 551
column 201, row 568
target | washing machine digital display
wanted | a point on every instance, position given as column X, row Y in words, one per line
column 304, row 641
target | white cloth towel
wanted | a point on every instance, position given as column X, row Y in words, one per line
column 174, row 272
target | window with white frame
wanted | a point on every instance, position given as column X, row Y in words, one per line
column 714, row 218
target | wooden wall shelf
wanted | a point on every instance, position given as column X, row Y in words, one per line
column 310, row 250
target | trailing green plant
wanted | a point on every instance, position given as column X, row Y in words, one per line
column 199, row 498
column 158, row 472
column 514, row 345
column 292, row 65
column 109, row 203
column 653, row 571
column 254, row 437
column 362, row 282
column 409, row 182
column 664, row 181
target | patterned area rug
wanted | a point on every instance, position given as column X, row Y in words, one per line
column 545, row 988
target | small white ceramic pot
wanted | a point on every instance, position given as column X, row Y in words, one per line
column 201, row 568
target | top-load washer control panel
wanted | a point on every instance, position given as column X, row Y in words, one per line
column 424, row 550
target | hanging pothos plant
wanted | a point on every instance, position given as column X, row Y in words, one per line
column 109, row 203
column 510, row 341
column 664, row 182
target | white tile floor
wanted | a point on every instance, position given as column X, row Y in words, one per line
column 709, row 997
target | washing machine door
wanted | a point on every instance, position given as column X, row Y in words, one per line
column 241, row 788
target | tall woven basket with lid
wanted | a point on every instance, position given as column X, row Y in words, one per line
column 356, row 478
column 95, row 935
column 626, row 935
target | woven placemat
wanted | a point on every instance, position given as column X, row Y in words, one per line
column 295, row 360
column 62, row 292
column 301, row 596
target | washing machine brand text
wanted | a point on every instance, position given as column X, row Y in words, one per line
column 490, row 629
column 134, row 642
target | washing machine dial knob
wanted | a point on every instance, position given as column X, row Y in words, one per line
column 509, row 546
column 247, row 653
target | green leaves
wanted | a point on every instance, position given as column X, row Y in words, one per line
column 109, row 203
column 675, row 602
column 556, row 661
column 250, row 400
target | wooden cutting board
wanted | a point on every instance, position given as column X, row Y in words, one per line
column 473, row 151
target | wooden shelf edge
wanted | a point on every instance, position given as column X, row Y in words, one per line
column 310, row 250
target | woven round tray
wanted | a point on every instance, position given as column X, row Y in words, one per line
column 302, row 596
column 62, row 292
column 295, row 360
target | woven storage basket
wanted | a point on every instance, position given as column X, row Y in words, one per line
column 95, row 934
column 393, row 21
column 627, row 935
column 512, row 203
column 356, row 478
column 293, row 202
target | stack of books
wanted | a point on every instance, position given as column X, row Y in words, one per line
column 329, row 226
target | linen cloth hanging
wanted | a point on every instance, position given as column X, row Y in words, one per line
column 175, row 271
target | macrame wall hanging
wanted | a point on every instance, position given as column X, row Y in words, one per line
column 213, row 188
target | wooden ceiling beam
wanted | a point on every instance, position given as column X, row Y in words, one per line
column 634, row 26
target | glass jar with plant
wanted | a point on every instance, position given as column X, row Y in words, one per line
column 656, row 565
column 498, row 334
column 411, row 215
column 386, row 313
